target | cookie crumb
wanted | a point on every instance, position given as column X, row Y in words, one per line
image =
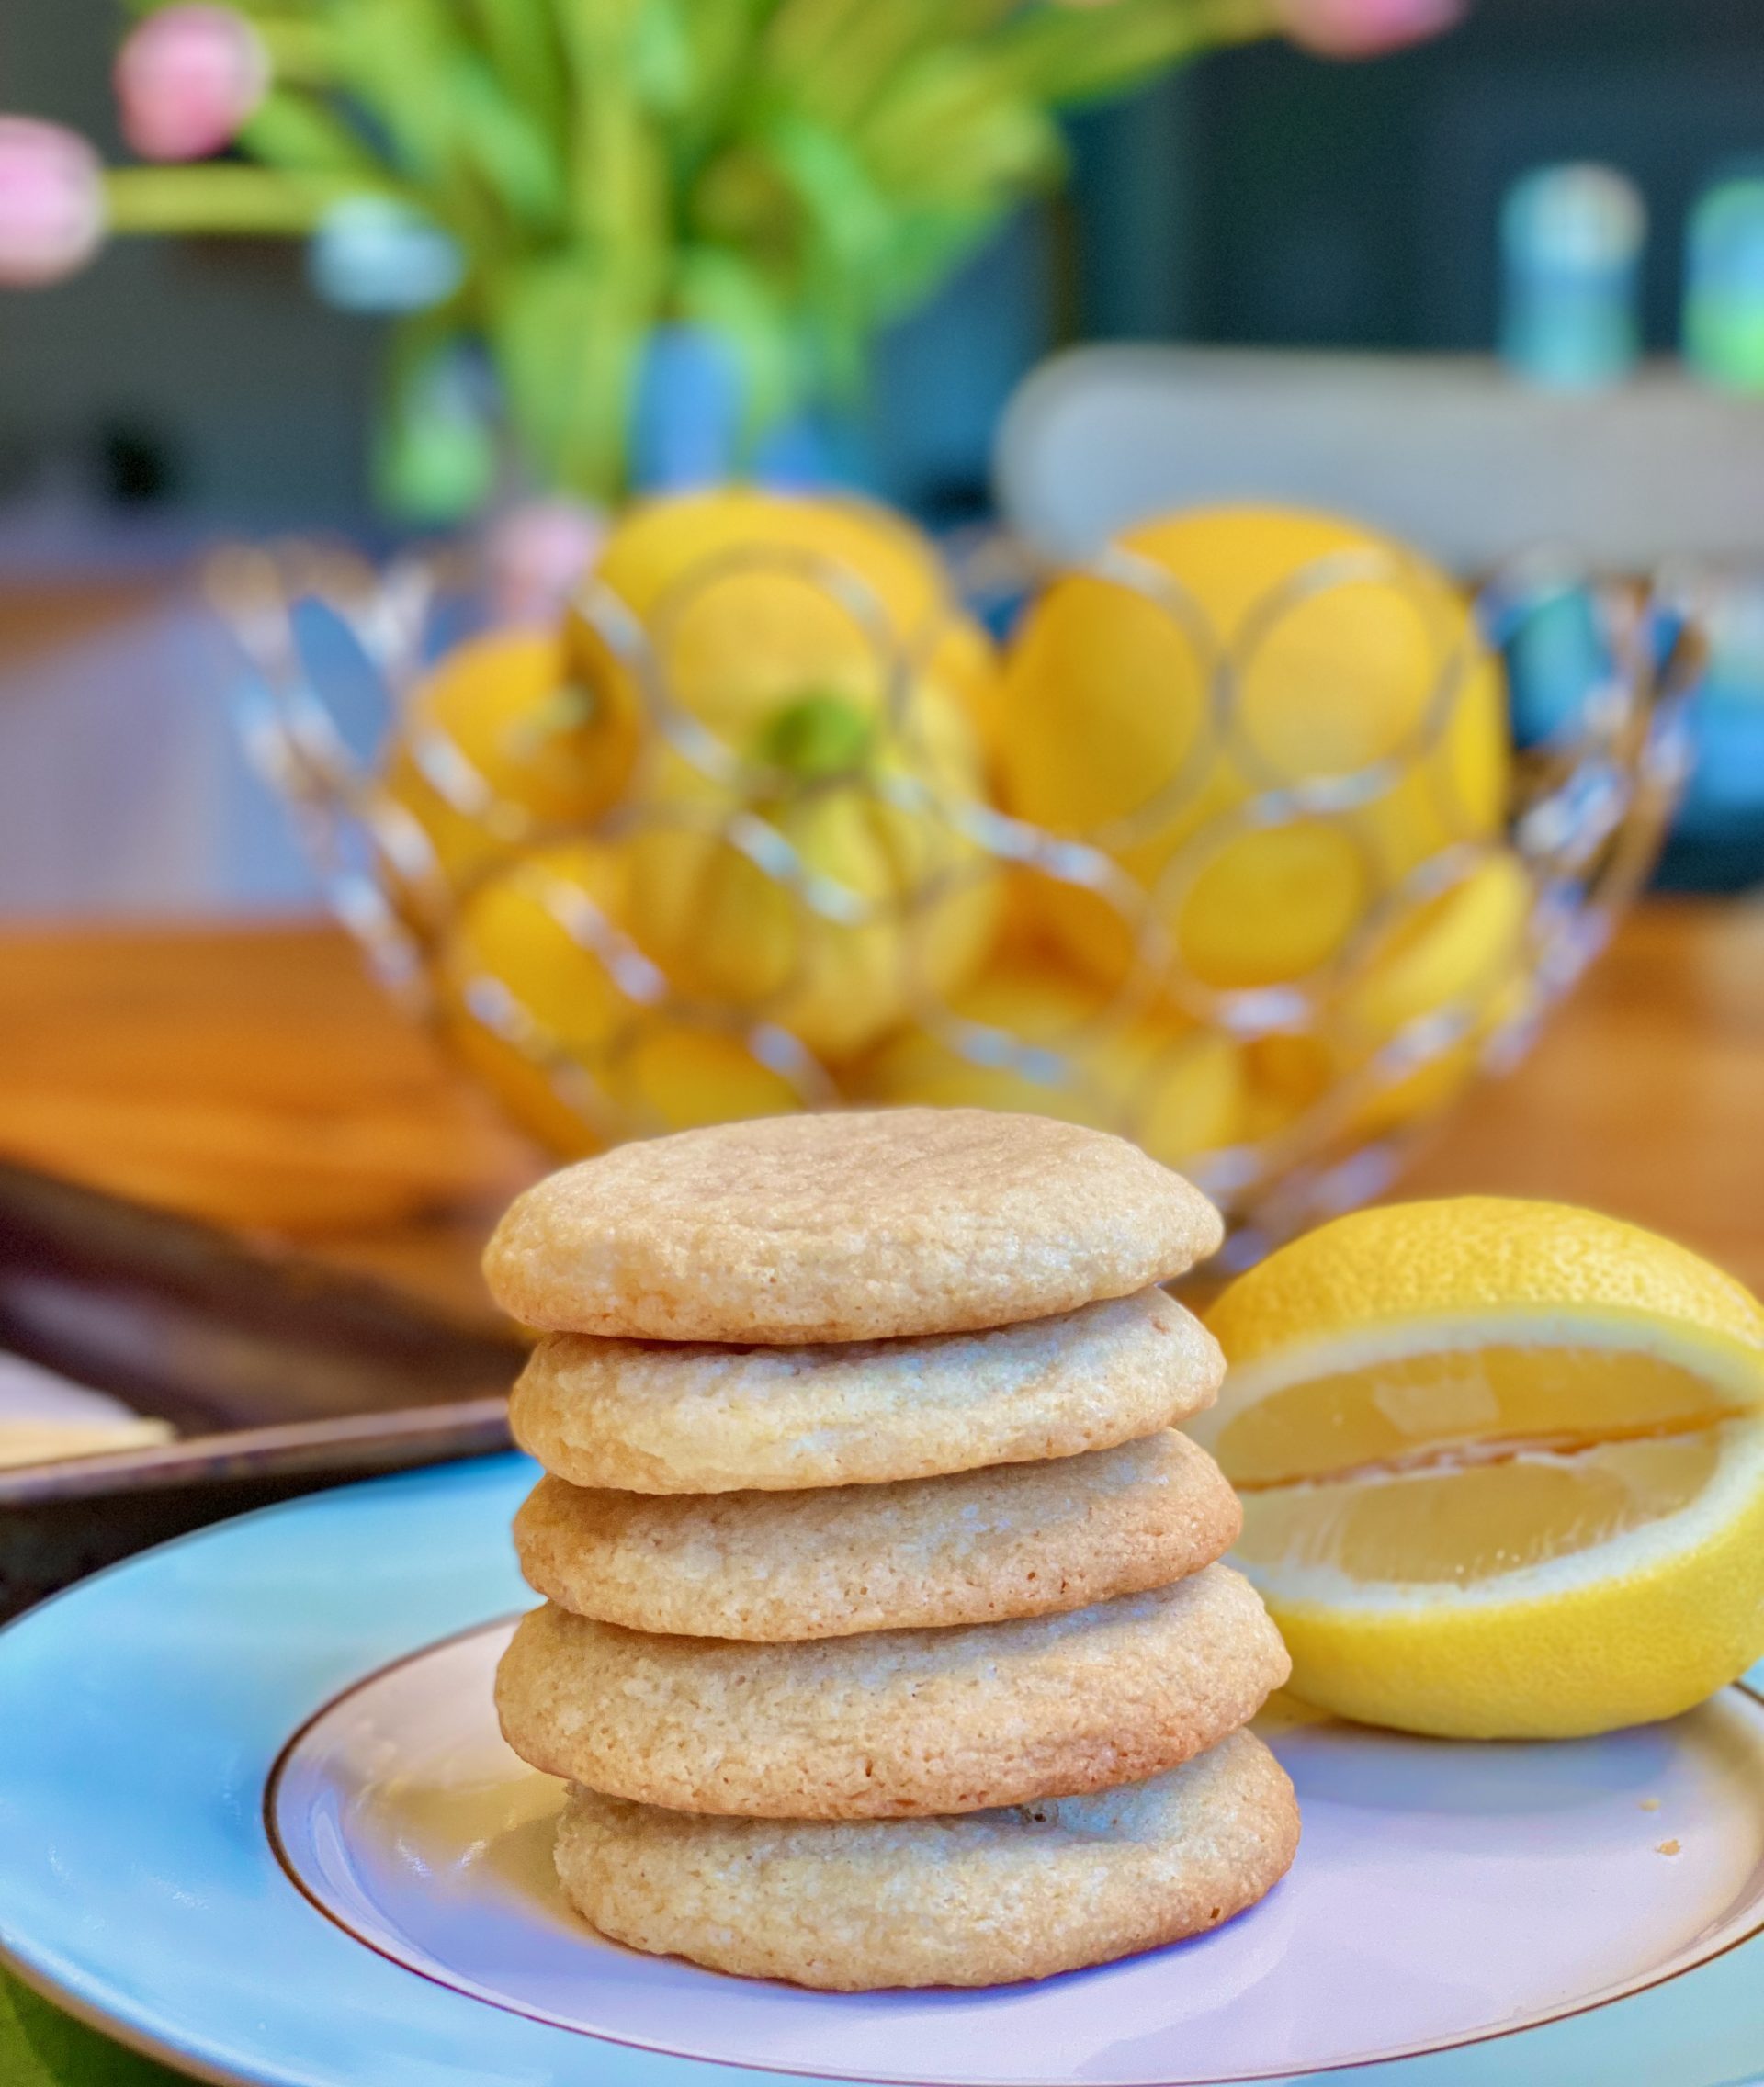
column 1667, row 1848
column 1647, row 1803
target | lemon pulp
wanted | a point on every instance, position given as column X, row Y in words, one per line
column 1394, row 1410
column 1469, row 1525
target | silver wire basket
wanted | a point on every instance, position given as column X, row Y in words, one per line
column 335, row 649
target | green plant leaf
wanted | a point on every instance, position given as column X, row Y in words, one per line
column 724, row 39
column 617, row 186
column 722, row 291
column 520, row 40
column 295, row 130
column 567, row 333
column 403, row 60
column 661, row 58
column 803, row 36
column 435, row 456
column 850, row 218
column 299, row 51
column 857, row 66
column 508, row 149
column 1065, row 56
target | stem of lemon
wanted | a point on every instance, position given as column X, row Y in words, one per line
column 818, row 735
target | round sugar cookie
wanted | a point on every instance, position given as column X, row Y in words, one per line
column 645, row 1418
column 983, row 1898
column 892, row 1724
column 1018, row 1539
column 859, row 1227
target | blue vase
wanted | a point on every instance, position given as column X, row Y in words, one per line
column 689, row 425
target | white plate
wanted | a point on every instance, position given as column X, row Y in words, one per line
column 294, row 1850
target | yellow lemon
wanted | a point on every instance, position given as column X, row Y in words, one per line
column 546, row 995
column 828, row 899
column 501, row 743
column 1452, row 951
column 748, row 601
column 1502, row 1466
column 1285, row 1076
column 1458, row 955
column 1114, row 732
column 1273, row 904
column 1176, row 1088
column 797, row 859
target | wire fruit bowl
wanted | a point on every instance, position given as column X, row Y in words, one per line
column 1282, row 1097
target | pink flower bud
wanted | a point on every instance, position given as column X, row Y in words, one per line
column 52, row 202
column 1361, row 29
column 186, row 79
column 537, row 555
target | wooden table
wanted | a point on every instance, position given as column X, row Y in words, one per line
column 257, row 1076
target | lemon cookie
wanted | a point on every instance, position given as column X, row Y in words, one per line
column 983, row 1898
column 1020, row 1540
column 647, row 1418
column 845, row 1227
column 892, row 1724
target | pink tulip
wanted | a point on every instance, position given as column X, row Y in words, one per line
column 52, row 202
column 186, row 80
column 1361, row 29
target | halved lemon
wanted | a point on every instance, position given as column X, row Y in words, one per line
column 1502, row 1465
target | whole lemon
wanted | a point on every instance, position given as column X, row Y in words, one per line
column 828, row 896
column 545, row 993
column 1459, row 953
column 748, row 600
column 791, row 847
column 1254, row 650
column 501, row 743
column 1175, row 1088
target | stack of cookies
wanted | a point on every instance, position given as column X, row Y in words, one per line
column 885, row 1641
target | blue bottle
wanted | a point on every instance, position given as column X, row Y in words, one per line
column 1724, row 289
column 1571, row 247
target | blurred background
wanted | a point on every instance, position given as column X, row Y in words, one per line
column 185, row 388
column 1268, row 196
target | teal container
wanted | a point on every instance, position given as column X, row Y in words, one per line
column 1571, row 242
column 1723, row 292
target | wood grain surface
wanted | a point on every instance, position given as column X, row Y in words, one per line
column 259, row 1078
